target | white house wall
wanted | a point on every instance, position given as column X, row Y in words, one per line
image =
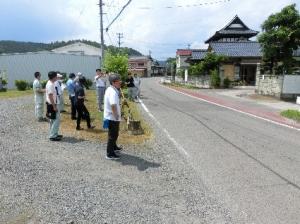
column 23, row 66
column 80, row 48
column 180, row 62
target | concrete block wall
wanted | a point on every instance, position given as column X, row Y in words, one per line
column 270, row 85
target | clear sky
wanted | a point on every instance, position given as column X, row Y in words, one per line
column 159, row 26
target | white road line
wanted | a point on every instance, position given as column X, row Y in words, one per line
column 236, row 110
column 176, row 144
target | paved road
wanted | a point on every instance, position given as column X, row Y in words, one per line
column 251, row 166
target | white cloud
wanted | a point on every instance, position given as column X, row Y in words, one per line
column 159, row 29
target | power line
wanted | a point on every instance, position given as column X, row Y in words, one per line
column 118, row 15
column 107, row 33
column 180, row 6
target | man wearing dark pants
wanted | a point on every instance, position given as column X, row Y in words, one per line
column 112, row 114
column 71, row 91
column 79, row 102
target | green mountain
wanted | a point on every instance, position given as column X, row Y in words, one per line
column 7, row 46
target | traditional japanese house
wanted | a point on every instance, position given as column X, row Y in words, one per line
column 243, row 54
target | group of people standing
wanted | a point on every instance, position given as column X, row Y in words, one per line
column 55, row 101
column 108, row 100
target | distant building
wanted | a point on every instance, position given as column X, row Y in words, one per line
column 181, row 58
column 78, row 48
column 185, row 57
column 140, row 65
column 234, row 42
column 158, row 68
column 23, row 65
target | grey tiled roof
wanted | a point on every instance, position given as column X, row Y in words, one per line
column 198, row 54
column 228, row 31
column 237, row 49
column 237, row 32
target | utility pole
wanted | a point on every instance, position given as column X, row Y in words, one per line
column 101, row 32
column 120, row 35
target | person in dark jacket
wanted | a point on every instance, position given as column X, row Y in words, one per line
column 130, row 86
column 79, row 103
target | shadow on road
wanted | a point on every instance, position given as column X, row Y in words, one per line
column 141, row 164
column 72, row 140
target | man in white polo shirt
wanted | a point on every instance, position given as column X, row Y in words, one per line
column 100, row 81
column 53, row 112
column 112, row 115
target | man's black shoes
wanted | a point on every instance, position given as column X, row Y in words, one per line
column 118, row 148
column 55, row 139
column 112, row 157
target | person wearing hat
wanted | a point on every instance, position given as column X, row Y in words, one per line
column 79, row 103
column 53, row 112
column 112, row 115
column 71, row 91
column 38, row 97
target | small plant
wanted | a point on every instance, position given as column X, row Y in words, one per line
column 180, row 73
column 88, row 83
column 215, row 79
column 21, row 85
column 29, row 85
column 292, row 114
column 44, row 83
column 226, row 82
column 3, row 84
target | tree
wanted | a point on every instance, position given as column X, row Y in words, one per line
column 171, row 65
column 210, row 62
column 280, row 36
column 116, row 63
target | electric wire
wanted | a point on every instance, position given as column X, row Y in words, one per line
column 181, row 6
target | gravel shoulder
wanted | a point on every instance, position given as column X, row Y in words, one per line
column 71, row 181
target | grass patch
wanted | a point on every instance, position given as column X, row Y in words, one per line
column 291, row 114
column 15, row 93
column 68, row 126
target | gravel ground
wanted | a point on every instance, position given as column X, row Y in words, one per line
column 72, row 182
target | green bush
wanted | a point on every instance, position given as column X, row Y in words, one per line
column 29, row 85
column 88, row 83
column 292, row 114
column 21, row 85
column 226, row 82
column 44, row 83
column 214, row 79
column 180, row 73
column 4, row 82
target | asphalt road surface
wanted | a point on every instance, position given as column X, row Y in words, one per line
column 251, row 166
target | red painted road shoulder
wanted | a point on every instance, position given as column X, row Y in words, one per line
column 239, row 107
